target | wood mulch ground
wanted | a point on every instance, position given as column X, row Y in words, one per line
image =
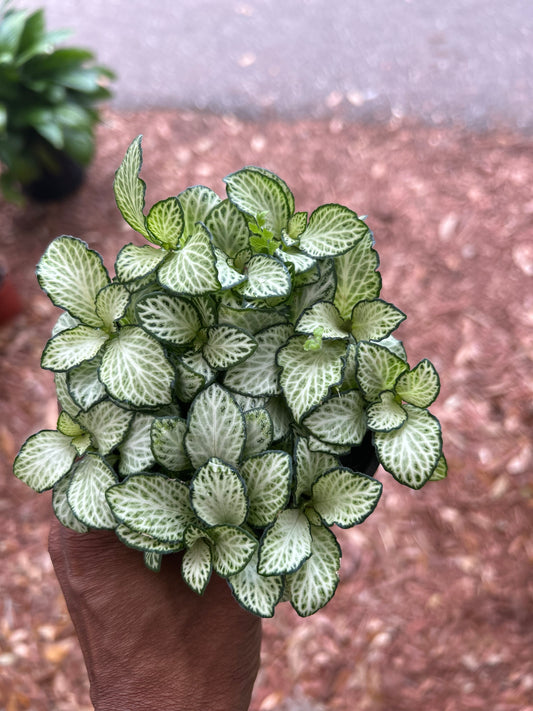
column 435, row 605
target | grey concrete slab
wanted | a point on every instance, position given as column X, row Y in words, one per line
column 468, row 61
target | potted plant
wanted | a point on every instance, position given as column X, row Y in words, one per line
column 48, row 98
column 213, row 392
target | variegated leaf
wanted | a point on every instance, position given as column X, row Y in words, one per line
column 394, row 346
column 227, row 275
column 386, row 414
column 256, row 593
column 228, row 227
column 227, row 346
column 107, row 423
column 297, row 225
column 143, row 542
column 135, row 450
column 285, row 544
column 197, row 202
column 84, row 385
column 111, row 304
column 166, row 222
column 62, row 508
column 64, row 322
column 309, row 466
column 72, row 347
column 188, row 381
column 153, row 560
column 44, row 459
column 300, row 262
column 130, row 189
column 323, row 315
column 196, row 566
column 254, row 192
column 168, row 445
column 68, row 426
column 250, row 319
column 171, row 319
column 318, row 445
column 135, row 262
column 357, row 278
column 63, row 395
column 441, row 470
column 86, row 492
column 247, row 403
column 420, row 386
column 339, row 420
column 281, row 183
column 232, row 549
column 281, row 417
column 321, row 289
column 218, row 494
column 191, row 270
column 332, row 230
column 345, row 498
column 267, row 277
column 268, row 478
column 375, row 319
column 258, row 431
column 377, row 369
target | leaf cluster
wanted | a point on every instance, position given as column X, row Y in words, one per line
column 216, row 392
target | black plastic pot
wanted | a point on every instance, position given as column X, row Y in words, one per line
column 363, row 458
column 60, row 178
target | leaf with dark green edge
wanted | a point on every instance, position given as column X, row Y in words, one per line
column 253, row 192
column 286, row 544
column 323, row 315
column 72, row 347
column 207, row 306
column 309, row 466
column 323, row 289
column 296, row 226
column 84, row 386
column 166, row 222
column 332, row 230
column 250, row 319
column 64, row 323
column 228, row 227
column 62, row 508
column 232, row 549
column 135, row 369
column 308, row 376
column 130, row 190
column 349, row 381
column 247, row 403
column 282, row 184
column 375, row 319
column 300, row 262
column 267, row 277
column 192, row 270
column 268, row 478
column 215, row 428
column 312, row 516
column 258, row 375
column 197, row 202
column 143, row 542
column 135, row 449
column 168, row 445
column 196, row 566
column 281, row 417
column 89, row 482
column 254, row 592
column 258, row 431
column 227, row 275
column 171, row 319
column 154, row 505
column 420, row 386
column 227, row 346
column 357, row 275
column 386, row 414
column 345, row 498
column 71, row 274
column 136, row 262
column 107, row 423
column 314, row 584
column 311, row 276
column 82, row 443
column 188, row 381
column 377, row 369
column 196, row 361
column 394, row 346
column 317, row 445
column 111, row 304
column 63, row 395
column 153, row 560
column 412, row 452
column 441, row 470
column 218, row 494
column 68, row 426
column 44, row 459
column 339, row 420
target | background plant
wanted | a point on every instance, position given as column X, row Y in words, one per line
column 213, row 389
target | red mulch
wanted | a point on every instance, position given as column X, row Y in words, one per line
column 434, row 609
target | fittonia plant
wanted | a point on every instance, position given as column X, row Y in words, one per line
column 212, row 391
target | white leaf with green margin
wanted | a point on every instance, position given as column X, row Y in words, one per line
column 192, row 270
column 107, row 424
column 412, row 452
column 268, row 478
column 247, row 403
column 197, row 202
column 228, row 227
column 386, row 414
column 84, row 385
column 188, row 381
column 339, row 420
column 286, row 544
column 171, row 319
column 72, row 275
column 254, row 192
column 70, row 348
column 215, row 427
column 258, row 375
column 281, row 417
column 135, row 370
column 255, row 592
column 207, row 308
column 375, row 319
column 196, row 566
column 314, row 584
column 63, row 395
column 377, row 369
column 394, row 346
column 350, row 381
column 154, row 505
column 135, row 450
column 309, row 466
column 301, row 262
column 332, row 230
column 218, row 495
column 153, row 560
column 227, row 346
column 166, row 222
column 259, row 431
column 62, row 508
column 135, row 262
column 143, row 542
column 64, row 322
column 317, row 445
column 44, row 459
column 322, row 289
column 267, row 277
column 68, row 426
column 232, row 549
column 345, row 498
column 322, row 315
column 297, row 225
column 227, row 275
column 281, row 183
column 250, row 319
column 82, row 443
column 420, row 386
column 308, row 376
column 89, row 481
column 357, row 275
column 441, row 470
column 111, row 304
column 130, row 190
column 168, row 445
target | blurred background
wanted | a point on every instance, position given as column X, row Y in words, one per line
column 418, row 114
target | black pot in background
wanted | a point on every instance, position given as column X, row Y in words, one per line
column 57, row 180
column 363, row 458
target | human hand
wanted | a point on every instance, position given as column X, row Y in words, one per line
column 149, row 642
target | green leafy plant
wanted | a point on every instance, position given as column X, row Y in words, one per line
column 48, row 98
column 213, row 392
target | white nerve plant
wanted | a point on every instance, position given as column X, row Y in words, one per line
column 213, row 392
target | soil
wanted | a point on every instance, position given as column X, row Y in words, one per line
column 434, row 609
